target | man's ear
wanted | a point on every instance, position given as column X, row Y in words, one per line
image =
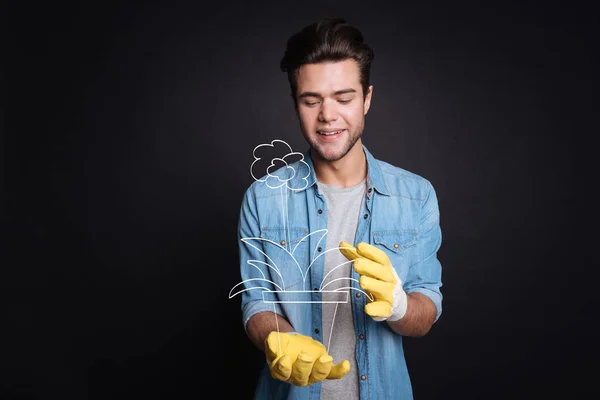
column 368, row 97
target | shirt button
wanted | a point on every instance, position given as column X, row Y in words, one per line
column 282, row 242
column 316, row 289
column 366, row 216
column 363, row 377
column 370, row 190
column 395, row 245
column 319, row 249
column 316, row 331
column 357, row 294
column 361, row 336
column 320, row 211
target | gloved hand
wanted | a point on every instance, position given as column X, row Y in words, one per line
column 301, row 360
column 378, row 277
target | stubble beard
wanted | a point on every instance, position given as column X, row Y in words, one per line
column 352, row 139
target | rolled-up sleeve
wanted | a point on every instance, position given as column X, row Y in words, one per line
column 254, row 270
column 425, row 275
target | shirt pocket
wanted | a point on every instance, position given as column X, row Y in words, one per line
column 398, row 245
column 287, row 248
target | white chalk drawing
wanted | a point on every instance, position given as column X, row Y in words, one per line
column 279, row 175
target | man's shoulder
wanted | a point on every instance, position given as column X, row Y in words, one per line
column 258, row 188
column 265, row 186
column 403, row 182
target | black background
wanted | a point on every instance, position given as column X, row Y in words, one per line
column 130, row 131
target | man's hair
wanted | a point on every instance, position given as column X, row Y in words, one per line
column 327, row 40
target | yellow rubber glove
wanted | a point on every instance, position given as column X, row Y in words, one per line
column 378, row 277
column 301, row 360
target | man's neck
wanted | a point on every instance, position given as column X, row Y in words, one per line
column 346, row 172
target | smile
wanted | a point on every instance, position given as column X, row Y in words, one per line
column 330, row 133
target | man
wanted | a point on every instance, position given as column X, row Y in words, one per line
column 359, row 228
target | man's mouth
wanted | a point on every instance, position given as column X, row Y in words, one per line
column 330, row 133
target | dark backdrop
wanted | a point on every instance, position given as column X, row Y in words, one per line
column 132, row 129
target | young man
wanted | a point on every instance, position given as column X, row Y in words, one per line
column 355, row 227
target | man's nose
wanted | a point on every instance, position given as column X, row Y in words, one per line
column 328, row 111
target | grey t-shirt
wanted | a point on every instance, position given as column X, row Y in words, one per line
column 343, row 207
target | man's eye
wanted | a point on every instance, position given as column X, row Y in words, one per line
column 345, row 101
column 310, row 103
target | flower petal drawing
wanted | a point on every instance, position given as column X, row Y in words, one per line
column 281, row 170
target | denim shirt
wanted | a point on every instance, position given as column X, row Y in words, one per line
column 281, row 232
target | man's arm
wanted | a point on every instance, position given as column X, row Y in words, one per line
column 424, row 299
column 259, row 321
column 261, row 324
column 419, row 317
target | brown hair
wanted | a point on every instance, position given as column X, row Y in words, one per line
column 327, row 40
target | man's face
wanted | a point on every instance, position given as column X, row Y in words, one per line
column 330, row 107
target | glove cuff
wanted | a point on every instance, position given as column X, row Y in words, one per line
column 400, row 302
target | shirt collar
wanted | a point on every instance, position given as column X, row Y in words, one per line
column 375, row 179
